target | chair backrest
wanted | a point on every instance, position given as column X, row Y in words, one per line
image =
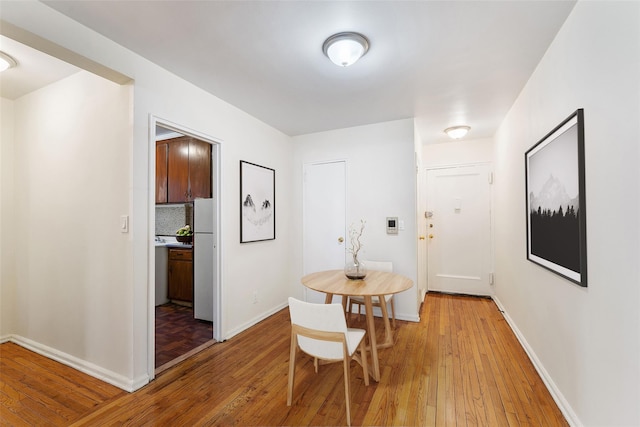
column 386, row 266
column 323, row 318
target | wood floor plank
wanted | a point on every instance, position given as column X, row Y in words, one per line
column 50, row 389
column 63, row 377
column 464, row 372
column 419, row 388
column 460, row 365
column 483, row 405
column 33, row 409
column 39, row 391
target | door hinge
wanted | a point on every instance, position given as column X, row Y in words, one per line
column 490, row 177
column 491, row 278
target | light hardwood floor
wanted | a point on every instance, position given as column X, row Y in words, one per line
column 461, row 365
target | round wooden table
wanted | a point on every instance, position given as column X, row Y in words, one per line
column 376, row 283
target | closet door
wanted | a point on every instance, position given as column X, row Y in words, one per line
column 324, row 216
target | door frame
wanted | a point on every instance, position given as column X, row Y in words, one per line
column 423, row 262
column 216, row 166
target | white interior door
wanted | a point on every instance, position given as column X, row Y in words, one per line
column 324, row 216
column 459, row 250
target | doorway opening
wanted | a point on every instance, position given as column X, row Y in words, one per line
column 184, row 294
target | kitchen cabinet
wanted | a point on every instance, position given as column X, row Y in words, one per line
column 199, row 169
column 162, row 151
column 183, row 170
column 180, row 278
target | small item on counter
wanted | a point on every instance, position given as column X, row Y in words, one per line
column 185, row 231
column 184, row 234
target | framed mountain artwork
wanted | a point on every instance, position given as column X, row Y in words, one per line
column 257, row 203
column 555, row 188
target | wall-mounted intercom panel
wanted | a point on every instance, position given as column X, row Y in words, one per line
column 392, row 225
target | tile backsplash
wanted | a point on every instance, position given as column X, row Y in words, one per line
column 169, row 218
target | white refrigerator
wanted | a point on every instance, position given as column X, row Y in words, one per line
column 203, row 258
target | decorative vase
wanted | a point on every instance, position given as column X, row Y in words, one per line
column 355, row 269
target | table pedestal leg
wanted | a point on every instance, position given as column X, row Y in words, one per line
column 388, row 336
column 371, row 330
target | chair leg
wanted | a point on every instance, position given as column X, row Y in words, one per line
column 363, row 359
column 347, row 393
column 292, row 367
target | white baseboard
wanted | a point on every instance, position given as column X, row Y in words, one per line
column 557, row 396
column 235, row 331
column 88, row 368
column 399, row 316
column 408, row 318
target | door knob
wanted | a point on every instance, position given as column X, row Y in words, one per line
column 340, row 239
column 421, row 237
column 431, row 236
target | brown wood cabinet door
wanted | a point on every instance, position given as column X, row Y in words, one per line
column 178, row 170
column 180, row 280
column 199, row 169
column 186, row 173
column 162, row 150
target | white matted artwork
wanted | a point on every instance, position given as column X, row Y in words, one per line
column 257, row 203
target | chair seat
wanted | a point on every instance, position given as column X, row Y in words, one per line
column 354, row 336
column 331, row 350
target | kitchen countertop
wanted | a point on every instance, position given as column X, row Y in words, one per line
column 170, row 242
column 179, row 245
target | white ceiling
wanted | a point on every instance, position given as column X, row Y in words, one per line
column 443, row 62
column 35, row 70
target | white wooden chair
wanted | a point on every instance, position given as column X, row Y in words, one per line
column 320, row 330
column 375, row 266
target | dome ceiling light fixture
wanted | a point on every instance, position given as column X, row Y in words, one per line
column 344, row 49
column 457, row 132
column 6, row 61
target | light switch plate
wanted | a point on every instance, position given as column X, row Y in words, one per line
column 124, row 223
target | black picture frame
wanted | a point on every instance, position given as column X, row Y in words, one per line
column 257, row 203
column 555, row 200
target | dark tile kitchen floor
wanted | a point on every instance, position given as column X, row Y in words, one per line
column 178, row 333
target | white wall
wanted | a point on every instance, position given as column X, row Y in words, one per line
column 7, row 219
column 586, row 341
column 457, row 153
column 381, row 182
column 71, row 174
column 264, row 266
